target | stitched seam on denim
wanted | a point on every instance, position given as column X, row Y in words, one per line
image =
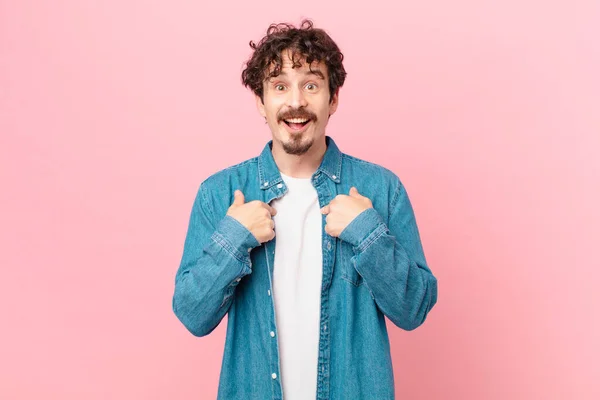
column 350, row 281
column 227, row 297
column 216, row 175
column 206, row 205
column 345, row 275
column 396, row 196
column 369, row 289
column 224, row 243
column 339, row 166
column 272, row 183
column 241, row 164
column 352, row 158
column 378, row 166
column 219, row 239
column 381, row 228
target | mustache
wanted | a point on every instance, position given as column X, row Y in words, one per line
column 296, row 113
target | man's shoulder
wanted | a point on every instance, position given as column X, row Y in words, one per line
column 368, row 169
column 373, row 178
column 224, row 176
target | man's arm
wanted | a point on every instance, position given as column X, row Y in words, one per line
column 215, row 258
column 390, row 260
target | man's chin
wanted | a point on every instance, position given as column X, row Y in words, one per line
column 297, row 146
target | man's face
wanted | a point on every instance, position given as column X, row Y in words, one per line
column 296, row 105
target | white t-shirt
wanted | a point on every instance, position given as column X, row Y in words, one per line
column 297, row 277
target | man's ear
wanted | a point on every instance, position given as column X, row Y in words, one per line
column 260, row 106
column 333, row 104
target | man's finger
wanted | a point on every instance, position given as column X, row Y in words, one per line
column 325, row 209
column 238, row 197
column 272, row 210
column 354, row 192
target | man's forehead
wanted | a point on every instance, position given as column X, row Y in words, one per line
column 318, row 68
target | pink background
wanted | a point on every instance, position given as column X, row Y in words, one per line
column 113, row 112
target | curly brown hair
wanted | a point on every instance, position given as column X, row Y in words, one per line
column 305, row 42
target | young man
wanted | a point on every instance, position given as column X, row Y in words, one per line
column 306, row 248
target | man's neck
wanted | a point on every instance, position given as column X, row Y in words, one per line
column 300, row 166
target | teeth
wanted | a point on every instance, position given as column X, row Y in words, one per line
column 297, row 120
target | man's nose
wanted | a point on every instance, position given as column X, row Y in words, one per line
column 296, row 98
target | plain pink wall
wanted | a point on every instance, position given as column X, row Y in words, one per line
column 113, row 112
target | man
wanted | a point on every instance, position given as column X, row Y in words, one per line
column 306, row 248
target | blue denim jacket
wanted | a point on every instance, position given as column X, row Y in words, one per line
column 375, row 269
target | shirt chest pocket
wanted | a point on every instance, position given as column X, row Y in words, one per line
column 348, row 272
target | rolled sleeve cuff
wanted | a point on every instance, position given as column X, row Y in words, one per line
column 362, row 227
column 235, row 238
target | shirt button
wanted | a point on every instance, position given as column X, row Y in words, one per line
column 279, row 186
column 238, row 279
column 272, row 334
column 269, row 292
column 274, row 375
column 266, row 183
column 329, row 245
column 333, row 176
column 249, row 249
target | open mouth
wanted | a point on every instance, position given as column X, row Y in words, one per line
column 296, row 123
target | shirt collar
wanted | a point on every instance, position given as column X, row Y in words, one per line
column 269, row 175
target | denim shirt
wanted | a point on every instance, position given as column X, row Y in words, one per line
column 375, row 269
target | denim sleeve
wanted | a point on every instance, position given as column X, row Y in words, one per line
column 215, row 258
column 390, row 259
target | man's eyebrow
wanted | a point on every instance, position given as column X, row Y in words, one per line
column 316, row 72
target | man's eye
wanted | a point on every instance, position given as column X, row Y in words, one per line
column 311, row 86
column 279, row 87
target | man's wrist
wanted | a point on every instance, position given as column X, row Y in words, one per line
column 361, row 227
column 236, row 238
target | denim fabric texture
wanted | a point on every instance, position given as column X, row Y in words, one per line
column 375, row 269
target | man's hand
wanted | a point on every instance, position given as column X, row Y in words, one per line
column 343, row 209
column 256, row 216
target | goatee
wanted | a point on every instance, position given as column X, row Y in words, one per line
column 297, row 146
